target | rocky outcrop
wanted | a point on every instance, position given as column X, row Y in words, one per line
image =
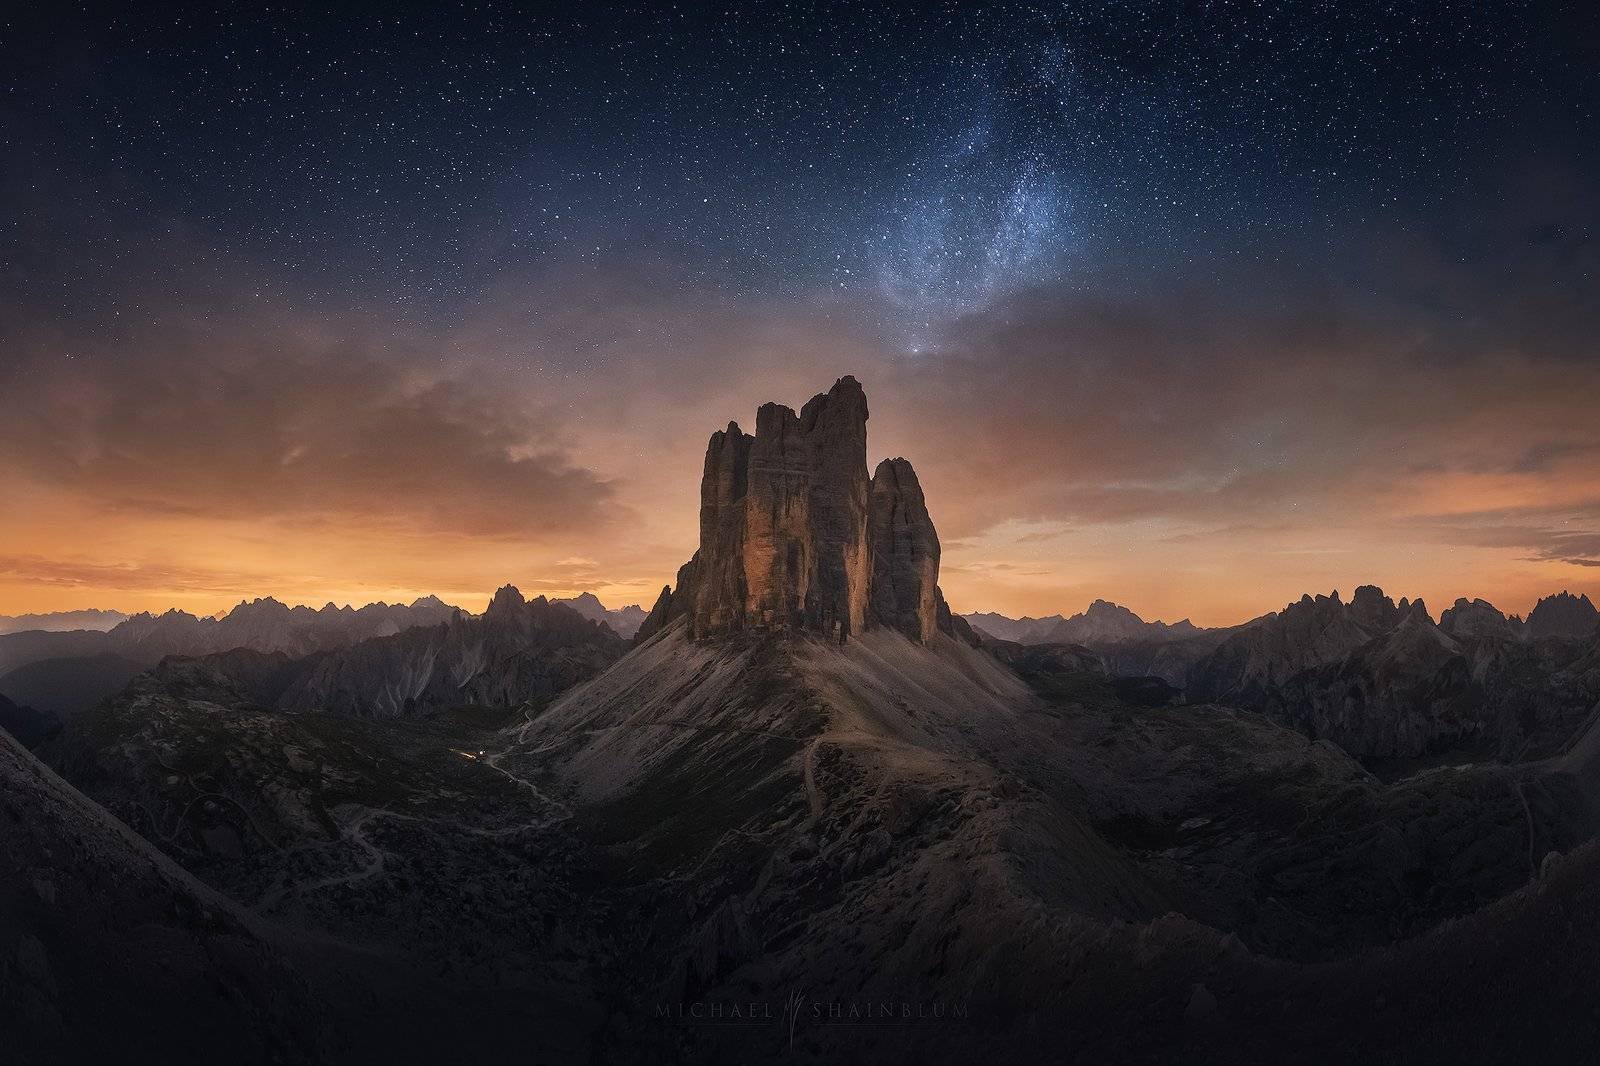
column 795, row 537
column 1564, row 616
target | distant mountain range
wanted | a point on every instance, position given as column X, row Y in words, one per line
column 1103, row 623
column 1269, row 663
column 1560, row 615
column 1126, row 644
column 625, row 620
column 262, row 624
column 379, row 660
column 518, row 651
column 1383, row 680
column 59, row 621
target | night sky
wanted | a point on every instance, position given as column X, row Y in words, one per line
column 1196, row 307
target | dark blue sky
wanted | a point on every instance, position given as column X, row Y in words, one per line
column 927, row 159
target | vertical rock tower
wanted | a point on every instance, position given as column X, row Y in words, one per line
column 794, row 537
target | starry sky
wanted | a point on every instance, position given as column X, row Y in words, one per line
column 1194, row 306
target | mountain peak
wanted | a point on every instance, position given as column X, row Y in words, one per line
column 1564, row 615
column 1107, row 609
column 1477, row 618
column 507, row 599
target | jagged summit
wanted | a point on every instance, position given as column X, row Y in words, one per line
column 624, row 620
column 507, row 599
column 1478, row 618
column 794, row 536
column 1564, row 615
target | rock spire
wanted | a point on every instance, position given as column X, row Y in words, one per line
column 794, row 537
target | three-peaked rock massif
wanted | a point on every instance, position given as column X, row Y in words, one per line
column 795, row 537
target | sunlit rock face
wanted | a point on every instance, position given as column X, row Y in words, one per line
column 795, row 537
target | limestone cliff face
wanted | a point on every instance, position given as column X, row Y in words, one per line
column 794, row 537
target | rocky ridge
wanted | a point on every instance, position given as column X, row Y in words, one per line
column 264, row 624
column 1564, row 616
column 515, row 652
column 1383, row 681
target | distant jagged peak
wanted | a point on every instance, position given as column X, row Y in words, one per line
column 171, row 614
column 94, row 618
column 1105, row 622
column 509, row 607
column 1369, row 608
column 1102, row 622
column 507, row 598
column 1414, row 609
column 1466, row 619
column 974, row 616
column 261, row 604
column 1564, row 616
column 626, row 621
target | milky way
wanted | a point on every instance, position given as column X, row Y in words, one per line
column 936, row 161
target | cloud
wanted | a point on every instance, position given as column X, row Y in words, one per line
column 1201, row 413
column 1546, row 534
column 1213, row 457
column 312, row 437
column 131, row 577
